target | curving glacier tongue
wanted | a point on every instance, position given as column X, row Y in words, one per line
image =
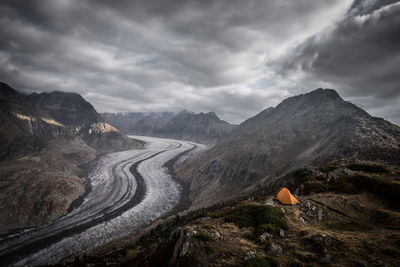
column 113, row 208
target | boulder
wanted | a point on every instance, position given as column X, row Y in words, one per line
column 334, row 175
column 274, row 249
column 282, row 233
column 249, row 255
column 264, row 237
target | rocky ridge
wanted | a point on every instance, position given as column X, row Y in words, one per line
column 330, row 226
column 73, row 111
column 185, row 125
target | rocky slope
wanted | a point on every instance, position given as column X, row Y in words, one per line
column 201, row 127
column 305, row 130
column 348, row 215
column 41, row 152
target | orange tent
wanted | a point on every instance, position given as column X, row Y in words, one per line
column 285, row 197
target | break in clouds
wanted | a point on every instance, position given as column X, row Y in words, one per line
column 232, row 57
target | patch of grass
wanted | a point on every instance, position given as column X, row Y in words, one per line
column 310, row 187
column 202, row 237
column 259, row 217
column 207, row 227
column 367, row 168
column 328, row 168
column 300, row 172
column 270, row 228
column 348, row 227
column 382, row 188
column 385, row 189
column 273, row 262
column 216, row 214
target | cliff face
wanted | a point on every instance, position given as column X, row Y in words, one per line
column 201, row 127
column 304, row 130
column 44, row 138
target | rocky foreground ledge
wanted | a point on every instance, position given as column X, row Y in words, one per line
column 346, row 217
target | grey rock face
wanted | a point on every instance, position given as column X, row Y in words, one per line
column 75, row 113
column 334, row 175
column 274, row 249
column 68, row 108
column 282, row 233
column 264, row 237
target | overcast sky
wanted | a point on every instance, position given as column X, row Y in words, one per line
column 233, row 57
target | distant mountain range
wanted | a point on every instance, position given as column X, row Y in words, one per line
column 44, row 138
column 185, row 125
column 305, row 130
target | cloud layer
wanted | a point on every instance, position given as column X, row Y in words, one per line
column 232, row 57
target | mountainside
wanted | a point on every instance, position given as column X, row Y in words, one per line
column 201, row 127
column 139, row 123
column 73, row 111
column 305, row 130
column 41, row 151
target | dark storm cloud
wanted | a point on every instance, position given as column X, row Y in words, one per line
column 360, row 56
column 199, row 55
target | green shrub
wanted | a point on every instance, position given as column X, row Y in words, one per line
column 202, row 236
column 269, row 227
column 258, row 217
column 310, row 187
column 272, row 261
column 367, row 168
column 328, row 168
column 216, row 214
column 207, row 227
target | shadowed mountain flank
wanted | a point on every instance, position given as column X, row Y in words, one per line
column 309, row 129
column 44, row 140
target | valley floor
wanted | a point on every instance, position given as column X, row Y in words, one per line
column 129, row 190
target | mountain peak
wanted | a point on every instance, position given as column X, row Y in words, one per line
column 324, row 93
column 318, row 96
column 212, row 114
column 68, row 108
column 7, row 92
column 62, row 96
